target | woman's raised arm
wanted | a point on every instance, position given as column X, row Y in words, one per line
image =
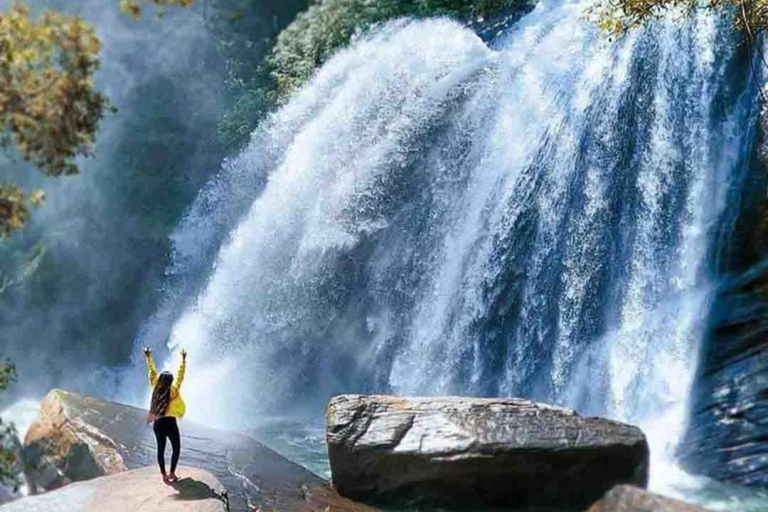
column 182, row 370
column 151, row 367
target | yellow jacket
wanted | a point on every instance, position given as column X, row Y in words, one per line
column 176, row 407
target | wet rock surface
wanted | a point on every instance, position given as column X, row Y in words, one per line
column 726, row 439
column 253, row 475
column 626, row 498
column 477, row 453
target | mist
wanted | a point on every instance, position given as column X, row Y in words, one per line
column 89, row 266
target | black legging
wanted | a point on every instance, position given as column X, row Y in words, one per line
column 167, row 427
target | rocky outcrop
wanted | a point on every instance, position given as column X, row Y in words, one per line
column 626, row 498
column 467, row 452
column 132, row 491
column 726, row 437
column 727, row 432
column 77, row 436
column 61, row 447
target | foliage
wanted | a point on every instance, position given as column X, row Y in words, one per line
column 7, row 374
column 133, row 7
column 240, row 120
column 13, row 209
column 246, row 31
column 8, row 458
column 294, row 48
column 618, row 16
column 330, row 24
column 110, row 242
column 49, row 107
column 47, row 97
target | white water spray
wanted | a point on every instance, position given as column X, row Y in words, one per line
column 535, row 218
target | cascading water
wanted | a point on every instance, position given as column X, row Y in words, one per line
column 533, row 217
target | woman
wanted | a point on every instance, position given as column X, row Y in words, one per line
column 167, row 405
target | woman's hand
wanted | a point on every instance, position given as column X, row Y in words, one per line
column 147, row 351
column 183, row 353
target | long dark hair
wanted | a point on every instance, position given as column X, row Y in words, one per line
column 161, row 396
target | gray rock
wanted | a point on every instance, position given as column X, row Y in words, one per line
column 131, row 491
column 62, row 447
column 474, row 453
column 726, row 439
column 626, row 498
column 727, row 429
column 108, row 438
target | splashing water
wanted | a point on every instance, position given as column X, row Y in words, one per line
column 432, row 215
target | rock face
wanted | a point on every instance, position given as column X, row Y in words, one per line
column 626, row 498
column 61, row 447
column 79, row 437
column 726, row 437
column 467, row 452
column 132, row 491
column 727, row 433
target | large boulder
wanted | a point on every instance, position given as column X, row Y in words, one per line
column 132, row 491
column 78, row 437
column 626, row 498
column 61, row 446
column 470, row 452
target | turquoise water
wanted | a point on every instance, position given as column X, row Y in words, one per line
column 302, row 443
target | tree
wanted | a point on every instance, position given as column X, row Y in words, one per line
column 246, row 31
column 618, row 16
column 327, row 25
column 49, row 107
column 8, row 456
column 133, row 7
column 296, row 45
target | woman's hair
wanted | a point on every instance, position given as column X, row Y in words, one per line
column 161, row 396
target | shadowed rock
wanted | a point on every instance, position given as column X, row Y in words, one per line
column 78, row 437
column 626, row 498
column 473, row 453
column 61, row 447
column 729, row 400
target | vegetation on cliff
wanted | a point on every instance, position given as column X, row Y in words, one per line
column 329, row 24
column 618, row 16
column 8, row 462
column 293, row 52
column 50, row 108
column 246, row 31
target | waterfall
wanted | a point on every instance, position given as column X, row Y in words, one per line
column 434, row 214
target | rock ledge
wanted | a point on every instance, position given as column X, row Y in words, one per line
column 132, row 491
